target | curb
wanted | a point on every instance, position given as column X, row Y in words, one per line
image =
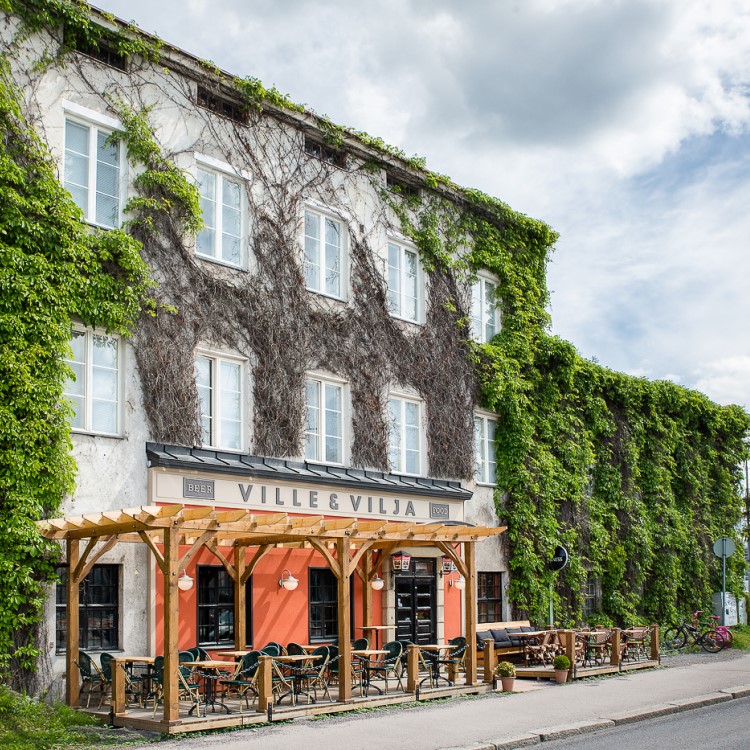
column 547, row 734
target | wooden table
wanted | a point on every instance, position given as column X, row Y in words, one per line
column 234, row 654
column 433, row 657
column 210, row 669
column 296, row 675
column 376, row 629
column 365, row 654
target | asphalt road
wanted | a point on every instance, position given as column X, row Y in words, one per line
column 724, row 726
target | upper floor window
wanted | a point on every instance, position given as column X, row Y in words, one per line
column 95, row 391
column 221, row 204
column 405, row 438
column 484, row 318
column 92, row 172
column 404, row 283
column 219, row 382
column 324, row 254
column 484, row 437
column 324, row 427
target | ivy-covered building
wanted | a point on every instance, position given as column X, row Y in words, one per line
column 329, row 328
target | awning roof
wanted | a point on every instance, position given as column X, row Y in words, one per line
column 230, row 527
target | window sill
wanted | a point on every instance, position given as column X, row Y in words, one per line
column 486, row 484
column 219, row 262
column 91, row 433
column 407, row 320
column 343, row 300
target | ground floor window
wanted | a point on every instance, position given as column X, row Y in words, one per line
column 216, row 607
column 592, row 596
column 324, row 605
column 98, row 609
column 489, row 597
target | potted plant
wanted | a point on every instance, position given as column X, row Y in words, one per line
column 506, row 671
column 561, row 665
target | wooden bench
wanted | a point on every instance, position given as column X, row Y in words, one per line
column 497, row 652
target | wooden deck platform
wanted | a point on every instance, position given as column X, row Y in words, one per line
column 579, row 673
column 141, row 718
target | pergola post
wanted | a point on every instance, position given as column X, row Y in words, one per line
column 470, row 560
column 240, row 609
column 171, row 617
column 344, row 621
column 72, row 689
column 366, row 590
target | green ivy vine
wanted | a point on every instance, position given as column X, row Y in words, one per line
column 53, row 269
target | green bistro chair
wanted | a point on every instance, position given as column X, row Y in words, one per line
column 390, row 664
column 272, row 649
column 189, row 687
column 92, row 678
column 455, row 659
column 245, row 679
column 157, row 682
column 316, row 675
column 294, row 649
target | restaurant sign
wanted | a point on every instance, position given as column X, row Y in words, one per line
column 265, row 495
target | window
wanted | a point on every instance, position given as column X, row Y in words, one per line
column 404, row 283
column 99, row 43
column 324, row 427
column 324, row 606
column 98, row 608
column 405, row 435
column 592, row 596
column 324, row 254
column 221, row 106
column 219, row 382
column 215, row 606
column 95, row 392
column 484, row 440
column 489, row 597
column 92, row 172
column 325, row 153
column 221, row 204
column 483, row 310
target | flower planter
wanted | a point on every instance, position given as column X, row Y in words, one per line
column 507, row 683
column 561, row 676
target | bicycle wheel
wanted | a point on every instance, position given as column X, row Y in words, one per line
column 711, row 641
column 727, row 639
column 674, row 638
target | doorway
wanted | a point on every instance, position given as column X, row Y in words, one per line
column 415, row 602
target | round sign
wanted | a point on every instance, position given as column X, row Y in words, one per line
column 559, row 559
column 724, row 547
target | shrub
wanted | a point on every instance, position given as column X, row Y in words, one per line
column 561, row 662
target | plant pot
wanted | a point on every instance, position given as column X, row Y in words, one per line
column 507, row 683
column 561, row 676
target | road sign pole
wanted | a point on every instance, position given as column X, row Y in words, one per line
column 551, row 606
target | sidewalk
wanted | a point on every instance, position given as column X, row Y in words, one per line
column 543, row 711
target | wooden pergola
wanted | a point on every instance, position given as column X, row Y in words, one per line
column 348, row 545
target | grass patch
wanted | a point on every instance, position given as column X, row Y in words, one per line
column 30, row 724
column 741, row 637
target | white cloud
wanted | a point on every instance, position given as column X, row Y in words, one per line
column 623, row 124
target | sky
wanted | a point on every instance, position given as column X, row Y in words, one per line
column 624, row 124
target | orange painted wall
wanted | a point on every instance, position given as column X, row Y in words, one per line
column 277, row 614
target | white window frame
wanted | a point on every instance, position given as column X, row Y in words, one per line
column 216, row 359
column 479, row 291
column 400, row 467
column 322, row 381
column 88, row 379
column 224, row 172
column 404, row 248
column 323, row 215
column 483, row 450
column 97, row 123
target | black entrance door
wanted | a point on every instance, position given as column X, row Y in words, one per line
column 415, row 602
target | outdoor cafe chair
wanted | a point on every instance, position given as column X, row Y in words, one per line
column 315, row 675
column 157, row 681
column 538, row 650
column 390, row 664
column 634, row 642
column 272, row 648
column 455, row 659
column 189, row 688
column 294, row 649
column 92, row 678
column 244, row 680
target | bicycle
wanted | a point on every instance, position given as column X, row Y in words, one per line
column 677, row 636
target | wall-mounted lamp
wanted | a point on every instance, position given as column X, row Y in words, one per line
column 377, row 583
column 184, row 582
column 290, row 582
column 459, row 583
